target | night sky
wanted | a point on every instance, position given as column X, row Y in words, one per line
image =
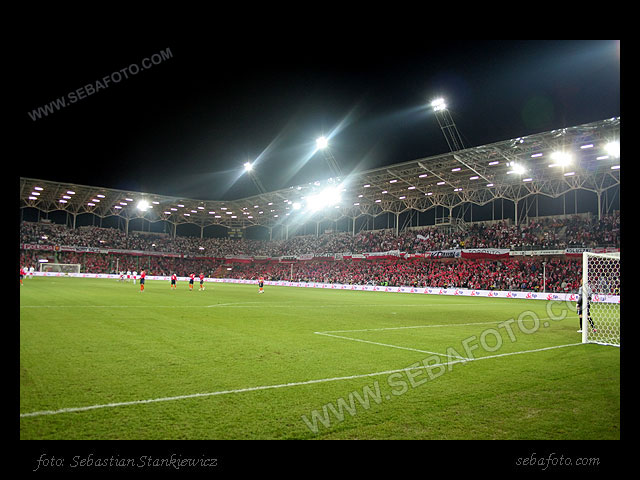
column 185, row 126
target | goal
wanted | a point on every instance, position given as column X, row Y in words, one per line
column 601, row 296
column 60, row 267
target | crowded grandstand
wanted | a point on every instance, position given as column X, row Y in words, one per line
column 344, row 258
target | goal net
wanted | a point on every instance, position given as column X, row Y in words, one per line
column 601, row 298
column 60, row 267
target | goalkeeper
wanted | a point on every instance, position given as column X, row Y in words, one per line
column 580, row 306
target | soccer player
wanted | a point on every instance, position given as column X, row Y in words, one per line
column 191, row 277
column 31, row 270
column 134, row 276
column 128, row 276
column 22, row 274
column 580, row 309
column 174, row 279
column 201, row 282
column 142, row 275
column 261, row 285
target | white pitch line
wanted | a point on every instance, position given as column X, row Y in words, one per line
column 329, row 333
column 421, row 326
column 228, row 304
column 283, row 385
column 388, row 345
column 407, row 327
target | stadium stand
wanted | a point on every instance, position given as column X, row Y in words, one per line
column 162, row 254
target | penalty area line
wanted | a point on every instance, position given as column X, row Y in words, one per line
column 282, row 385
column 388, row 345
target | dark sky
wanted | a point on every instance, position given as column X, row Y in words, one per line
column 185, row 126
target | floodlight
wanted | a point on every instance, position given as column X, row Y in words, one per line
column 322, row 143
column 143, row 205
column 326, row 198
column 438, row 104
column 248, row 167
column 561, row 159
column 613, row 149
column 519, row 169
column 296, row 206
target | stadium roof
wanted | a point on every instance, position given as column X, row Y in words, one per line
column 474, row 175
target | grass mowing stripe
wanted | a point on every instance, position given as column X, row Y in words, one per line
column 246, row 305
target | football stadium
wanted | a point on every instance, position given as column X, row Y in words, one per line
column 471, row 294
column 359, row 322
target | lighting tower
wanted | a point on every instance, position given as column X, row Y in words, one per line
column 447, row 125
column 323, row 144
column 248, row 167
column 451, row 134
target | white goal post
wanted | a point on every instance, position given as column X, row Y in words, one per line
column 601, row 298
column 60, row 267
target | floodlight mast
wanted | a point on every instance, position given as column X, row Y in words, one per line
column 248, row 167
column 448, row 126
column 451, row 134
column 323, row 144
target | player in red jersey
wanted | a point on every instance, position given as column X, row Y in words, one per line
column 174, row 279
column 22, row 274
column 142, row 275
column 261, row 285
column 191, row 277
column 201, row 282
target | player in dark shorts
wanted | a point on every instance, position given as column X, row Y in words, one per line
column 173, row 281
column 201, row 281
column 261, row 285
column 191, row 277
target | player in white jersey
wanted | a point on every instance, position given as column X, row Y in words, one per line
column 31, row 270
column 135, row 274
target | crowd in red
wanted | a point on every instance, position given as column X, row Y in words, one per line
column 562, row 273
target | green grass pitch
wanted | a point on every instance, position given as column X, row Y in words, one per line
column 101, row 360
